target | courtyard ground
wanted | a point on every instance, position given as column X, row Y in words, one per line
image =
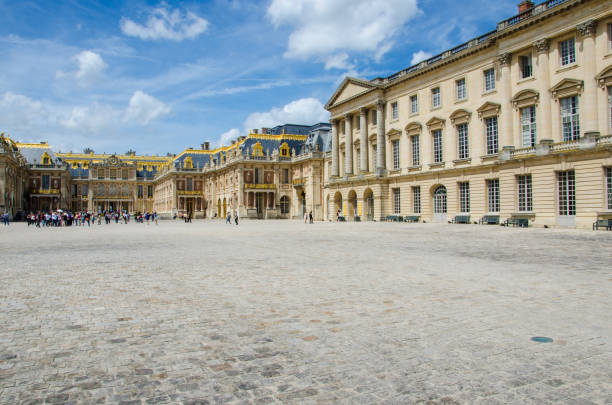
column 283, row 312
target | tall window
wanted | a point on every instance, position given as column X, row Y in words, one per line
column 610, row 105
column 149, row 191
column 415, row 150
column 46, row 183
column 440, row 200
column 416, row 199
column 461, row 92
column 435, row 97
column 140, row 193
column 256, row 177
column 464, row 197
column 74, row 190
column 489, row 78
column 437, row 146
column 100, row 173
column 610, row 37
column 396, row 201
column 526, row 66
column 609, row 186
column 84, row 189
column 525, row 196
column 492, row 138
column 528, row 126
column 493, row 195
column 414, row 104
column 462, row 141
column 568, row 51
column 285, row 176
column 374, row 117
column 284, row 204
column 396, row 154
column 567, row 193
column 113, row 173
column 570, row 118
column 189, row 184
column 394, row 111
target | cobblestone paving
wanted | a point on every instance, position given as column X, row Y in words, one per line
column 283, row 312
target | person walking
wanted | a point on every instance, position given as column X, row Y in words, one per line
column 310, row 216
column 305, row 217
column 235, row 217
column 228, row 219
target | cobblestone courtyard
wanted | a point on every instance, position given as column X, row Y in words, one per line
column 283, row 312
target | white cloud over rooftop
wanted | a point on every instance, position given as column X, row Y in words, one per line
column 165, row 23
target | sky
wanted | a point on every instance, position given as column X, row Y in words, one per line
column 161, row 76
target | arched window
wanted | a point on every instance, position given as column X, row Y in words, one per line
column 188, row 163
column 284, row 204
column 45, row 159
column 284, row 149
column 440, row 200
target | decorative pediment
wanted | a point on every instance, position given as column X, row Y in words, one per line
column 188, row 163
column 525, row 98
column 460, row 116
column 284, row 149
column 435, row 123
column 350, row 87
column 112, row 161
column 414, row 128
column 488, row 109
column 394, row 133
column 257, row 149
column 566, row 88
column 45, row 159
column 605, row 77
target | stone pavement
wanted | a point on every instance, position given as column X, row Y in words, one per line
column 283, row 312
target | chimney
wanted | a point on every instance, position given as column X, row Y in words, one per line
column 525, row 5
column 206, row 146
column 255, row 131
column 265, row 131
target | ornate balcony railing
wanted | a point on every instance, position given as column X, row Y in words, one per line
column 189, row 192
column 260, row 186
column 52, row 191
column 529, row 13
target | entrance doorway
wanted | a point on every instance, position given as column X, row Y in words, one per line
column 190, row 206
column 303, row 201
column 259, row 205
column 439, row 200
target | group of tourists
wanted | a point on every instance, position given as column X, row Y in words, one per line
column 60, row 218
column 5, row 218
column 228, row 217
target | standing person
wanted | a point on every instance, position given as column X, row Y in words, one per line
column 310, row 216
column 155, row 217
column 338, row 216
column 228, row 219
column 305, row 217
column 235, row 217
column 189, row 217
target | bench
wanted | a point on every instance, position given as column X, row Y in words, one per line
column 412, row 218
column 461, row 219
column 520, row 222
column 489, row 220
column 341, row 218
column 357, row 219
column 603, row 223
column 394, row 218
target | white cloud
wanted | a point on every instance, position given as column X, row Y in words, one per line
column 325, row 30
column 164, row 23
column 19, row 113
column 92, row 119
column 90, row 68
column 227, row 137
column 338, row 61
column 144, row 108
column 303, row 111
column 420, row 56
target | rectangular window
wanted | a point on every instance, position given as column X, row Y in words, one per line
column 493, row 195
column 46, row 183
column 140, row 191
column 113, row 173
column 256, row 177
column 568, row 52
column 610, row 37
column 100, row 174
column 609, row 186
column 528, row 126
column 461, row 92
column 358, row 125
column 396, row 153
column 526, row 66
column 492, row 138
column 489, row 78
column 435, row 97
column 124, row 174
column 394, row 111
column 525, row 197
column 567, row 193
column 416, row 159
column 396, row 201
column 414, row 104
column 74, row 190
column 416, row 199
column 462, row 141
column 149, row 191
column 84, row 189
column 570, row 118
column 610, row 107
column 189, row 184
column 437, row 146
column 464, row 197
column 285, row 176
column 374, row 117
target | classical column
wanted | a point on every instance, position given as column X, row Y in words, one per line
column 544, row 114
column 363, row 139
column 507, row 136
column 588, row 108
column 348, row 145
column 381, row 164
column 334, row 168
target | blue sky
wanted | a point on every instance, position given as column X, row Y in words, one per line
column 161, row 76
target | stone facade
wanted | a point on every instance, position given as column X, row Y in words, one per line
column 514, row 123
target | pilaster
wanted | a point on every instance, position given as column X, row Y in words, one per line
column 363, row 140
column 587, row 31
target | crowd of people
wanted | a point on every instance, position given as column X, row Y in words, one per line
column 60, row 218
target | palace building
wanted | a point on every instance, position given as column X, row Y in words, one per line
column 515, row 123
column 272, row 174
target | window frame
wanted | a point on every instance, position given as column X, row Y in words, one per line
column 524, row 187
column 566, row 193
column 492, row 135
column 461, row 90
column 415, row 145
column 493, row 196
column 464, row 196
column 397, row 208
column 438, row 146
column 529, row 58
column 416, row 199
column 436, row 97
column 530, row 126
column 414, row 104
column 608, row 185
column 394, row 110
column 395, row 149
column 571, row 52
column 488, row 80
column 463, row 141
column 573, row 118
